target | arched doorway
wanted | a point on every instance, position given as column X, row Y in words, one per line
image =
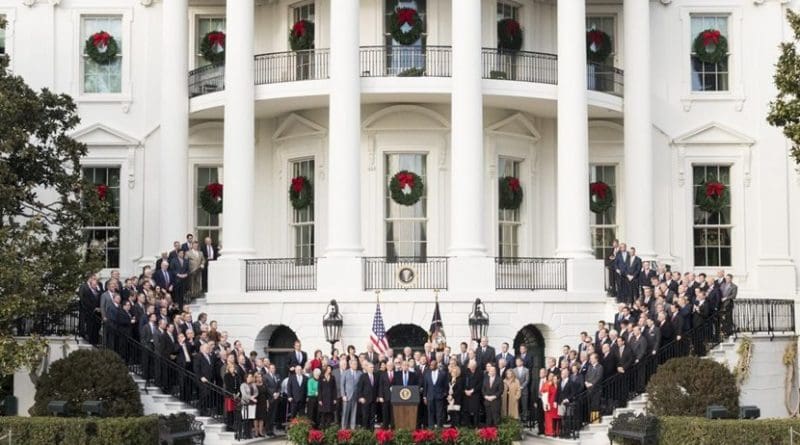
column 402, row 335
column 276, row 341
column 531, row 337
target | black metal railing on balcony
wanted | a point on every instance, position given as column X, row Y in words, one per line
column 406, row 61
column 206, row 79
column 405, row 273
column 757, row 315
column 291, row 66
column 62, row 323
column 522, row 66
column 277, row 274
column 605, row 78
column 530, row 273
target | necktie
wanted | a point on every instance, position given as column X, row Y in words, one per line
column 391, row 374
column 371, row 381
column 491, row 382
column 405, row 379
column 166, row 276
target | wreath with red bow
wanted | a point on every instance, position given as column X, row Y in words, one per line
column 212, row 47
column 712, row 196
column 406, row 188
column 101, row 48
column 710, row 46
column 510, row 193
column 509, row 35
column 406, row 26
column 301, row 36
column 211, row 198
column 598, row 45
column 301, row 194
column 601, row 197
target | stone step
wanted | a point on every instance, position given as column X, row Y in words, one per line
column 620, row 411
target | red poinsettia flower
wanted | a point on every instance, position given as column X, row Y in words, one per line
column 299, row 29
column 715, row 189
column 513, row 184
column 384, row 436
column 512, row 28
column 711, row 36
column 315, row 436
column 298, row 183
column 100, row 39
column 217, row 38
column 406, row 15
column 449, row 435
column 405, row 179
column 344, row 436
column 422, row 436
column 102, row 190
column 488, row 434
column 215, row 190
column 596, row 38
column 599, row 189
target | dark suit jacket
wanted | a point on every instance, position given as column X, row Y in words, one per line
column 385, row 385
column 295, row 391
column 204, row 367
column 413, row 380
column 365, row 390
column 214, row 249
column 508, row 358
column 158, row 277
column 625, row 359
column 293, row 359
column 639, row 347
column 527, row 360
column 88, row 299
column 435, row 390
column 176, row 267
column 622, row 264
column 485, row 357
column 567, row 391
column 492, row 390
column 609, row 363
column 702, row 313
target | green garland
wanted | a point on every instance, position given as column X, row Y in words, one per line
column 602, row 44
column 208, row 47
column 509, row 35
column 601, row 197
column 510, row 194
column 211, row 198
column 704, row 40
column 95, row 42
column 301, row 193
column 399, row 18
column 712, row 196
column 301, row 36
column 409, row 195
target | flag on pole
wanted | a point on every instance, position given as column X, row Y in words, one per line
column 378, row 334
column 436, row 322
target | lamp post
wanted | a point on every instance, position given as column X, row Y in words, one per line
column 332, row 322
column 478, row 320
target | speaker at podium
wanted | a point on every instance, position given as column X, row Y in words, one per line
column 405, row 401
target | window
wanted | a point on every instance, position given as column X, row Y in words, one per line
column 304, row 11
column 506, row 10
column 509, row 220
column 102, row 78
column 103, row 237
column 603, row 23
column 304, row 59
column 404, row 58
column 604, row 225
column 207, row 224
column 712, row 231
column 3, row 26
column 406, row 226
column 204, row 26
column 709, row 76
column 303, row 220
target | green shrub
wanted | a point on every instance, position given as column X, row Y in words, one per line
column 412, row 72
column 89, row 375
column 701, row 431
column 495, row 74
column 687, row 386
column 83, row 431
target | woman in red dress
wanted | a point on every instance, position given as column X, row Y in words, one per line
column 548, row 396
column 316, row 362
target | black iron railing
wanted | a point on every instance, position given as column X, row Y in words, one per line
column 522, row 66
column 406, row 61
column 280, row 274
column 206, row 79
column 405, row 273
column 605, row 78
column 59, row 323
column 291, row 66
column 757, row 315
column 530, row 273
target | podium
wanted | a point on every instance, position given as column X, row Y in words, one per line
column 405, row 402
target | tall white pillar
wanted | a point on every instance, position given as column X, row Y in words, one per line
column 239, row 151
column 466, row 176
column 173, row 173
column 573, row 133
column 638, row 181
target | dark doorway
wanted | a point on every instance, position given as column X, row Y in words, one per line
column 280, row 344
column 532, row 338
column 402, row 335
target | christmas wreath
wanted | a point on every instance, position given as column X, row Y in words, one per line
column 406, row 26
column 101, row 48
column 510, row 193
column 509, row 35
column 598, row 45
column 601, row 197
column 406, row 188
column 710, row 46
column 712, row 196
column 212, row 47
column 300, row 192
column 211, row 198
column 301, row 36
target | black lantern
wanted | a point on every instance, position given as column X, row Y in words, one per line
column 478, row 321
column 332, row 323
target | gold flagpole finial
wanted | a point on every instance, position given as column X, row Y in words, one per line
column 436, row 294
column 378, row 295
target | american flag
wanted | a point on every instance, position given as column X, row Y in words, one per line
column 378, row 334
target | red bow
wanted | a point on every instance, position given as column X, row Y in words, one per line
column 596, row 37
column 215, row 190
column 299, row 28
column 405, row 179
column 298, row 183
column 102, row 189
column 217, row 38
column 513, row 184
column 714, row 189
column 406, row 15
column 600, row 189
column 711, row 36
column 512, row 27
column 100, row 39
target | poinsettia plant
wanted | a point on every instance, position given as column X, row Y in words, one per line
column 384, row 436
column 423, row 436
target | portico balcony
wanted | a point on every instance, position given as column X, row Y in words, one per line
column 430, row 61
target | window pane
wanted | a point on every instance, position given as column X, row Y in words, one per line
column 605, row 24
column 399, row 57
column 604, row 225
column 102, row 78
column 103, row 237
column 204, row 26
column 708, row 76
column 303, row 220
column 406, row 226
column 712, row 231
column 207, row 224
column 2, row 37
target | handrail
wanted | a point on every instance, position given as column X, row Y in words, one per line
column 280, row 274
column 412, row 272
column 530, row 273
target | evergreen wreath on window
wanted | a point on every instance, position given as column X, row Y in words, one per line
column 509, row 35
column 598, row 45
column 212, row 47
column 712, row 196
column 710, row 46
column 405, row 26
column 301, row 193
column 510, row 193
column 211, row 198
column 406, row 188
column 301, row 36
column 601, row 197
column 101, row 48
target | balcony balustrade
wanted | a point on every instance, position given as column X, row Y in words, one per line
column 279, row 274
column 405, row 273
column 531, row 273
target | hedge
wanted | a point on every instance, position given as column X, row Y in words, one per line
column 686, row 386
column 84, row 431
column 701, row 431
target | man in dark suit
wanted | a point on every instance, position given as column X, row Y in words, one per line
column 367, row 394
column 504, row 354
column 176, row 247
column 485, row 354
column 492, row 391
column 179, row 267
column 608, row 361
column 634, row 272
column 188, row 244
column 463, row 355
column 665, row 328
column 164, row 278
column 405, row 377
column 638, row 344
column 621, row 265
column 297, row 357
column 372, row 356
column 624, row 355
column 385, row 382
column 701, row 313
column 147, row 335
column 434, row 390
column 592, row 380
column 527, row 358
column 90, row 309
column 204, row 369
column 210, row 253
column 297, row 390
column 647, row 274
column 537, row 383
column 272, row 383
column 184, row 359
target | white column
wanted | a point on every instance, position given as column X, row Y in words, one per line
column 467, row 173
column 638, row 181
column 173, row 171
column 573, row 133
column 239, row 156
column 344, row 146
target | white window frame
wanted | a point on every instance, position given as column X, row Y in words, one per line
column 731, row 226
column 195, row 14
column 10, row 16
column 295, row 6
column 511, row 4
column 292, row 224
column 385, row 195
column 98, row 164
column 520, row 212
column 125, row 14
column 196, row 191
column 717, row 18
column 615, row 189
column 615, row 11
